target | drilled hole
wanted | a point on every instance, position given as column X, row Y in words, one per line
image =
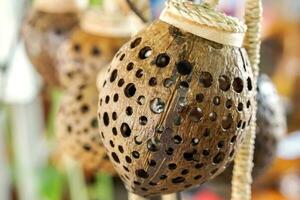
column 163, row 177
column 200, row 97
column 153, row 145
column 205, row 79
column 172, row 166
column 142, row 173
column 114, row 116
column 128, row 159
column 217, row 101
column 168, row 82
column 206, row 132
column 184, row 85
column 84, row 108
column 199, row 165
column 116, row 97
column 139, row 73
column 125, row 130
column 152, row 81
column 130, row 66
column 106, row 119
column 141, row 100
column 195, row 141
column 224, row 83
column 227, row 122
column 130, row 90
column 213, row 116
column 113, row 75
column 115, row 157
column 114, row 131
column 122, row 57
column 177, row 139
column 145, row 52
column 136, row 154
column 184, row 67
column 178, row 180
column 240, row 107
column 121, row 82
column 107, row 99
column 196, row 114
column 143, row 120
column 77, row 47
column 219, row 158
column 238, row 85
column 249, row 84
column 229, row 103
column 185, row 171
column 135, row 43
column 95, row 51
column 169, row 151
column 129, row 111
column 205, row 152
column 162, row 60
column 152, row 163
column 157, row 105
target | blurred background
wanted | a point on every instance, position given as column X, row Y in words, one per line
column 27, row 118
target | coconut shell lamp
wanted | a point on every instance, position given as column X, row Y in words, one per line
column 91, row 47
column 77, row 131
column 86, row 53
column 47, row 25
column 177, row 99
column 271, row 127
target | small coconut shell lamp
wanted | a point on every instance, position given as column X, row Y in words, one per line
column 77, row 131
column 91, row 47
column 46, row 26
column 271, row 128
column 85, row 54
column 178, row 99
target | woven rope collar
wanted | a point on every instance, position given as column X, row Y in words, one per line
column 59, row 6
column 205, row 22
column 99, row 22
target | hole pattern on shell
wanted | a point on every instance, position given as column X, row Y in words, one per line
column 182, row 113
column 78, row 136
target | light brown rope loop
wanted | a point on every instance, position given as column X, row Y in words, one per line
column 241, row 181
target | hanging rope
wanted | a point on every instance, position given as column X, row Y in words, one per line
column 242, row 179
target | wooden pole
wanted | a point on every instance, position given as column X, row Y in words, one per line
column 132, row 196
column 174, row 196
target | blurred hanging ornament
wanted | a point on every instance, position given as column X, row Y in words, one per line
column 47, row 25
column 271, row 127
column 141, row 8
column 91, row 47
column 179, row 85
column 86, row 53
column 77, row 131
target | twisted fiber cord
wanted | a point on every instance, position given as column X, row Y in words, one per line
column 241, row 181
column 205, row 14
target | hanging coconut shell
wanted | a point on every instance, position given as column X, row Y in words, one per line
column 271, row 127
column 91, row 47
column 46, row 26
column 77, row 130
column 177, row 100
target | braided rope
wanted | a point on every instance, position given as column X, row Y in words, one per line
column 205, row 14
column 241, row 181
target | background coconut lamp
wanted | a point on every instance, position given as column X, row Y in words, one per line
column 88, row 50
column 271, row 128
column 185, row 91
column 47, row 25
